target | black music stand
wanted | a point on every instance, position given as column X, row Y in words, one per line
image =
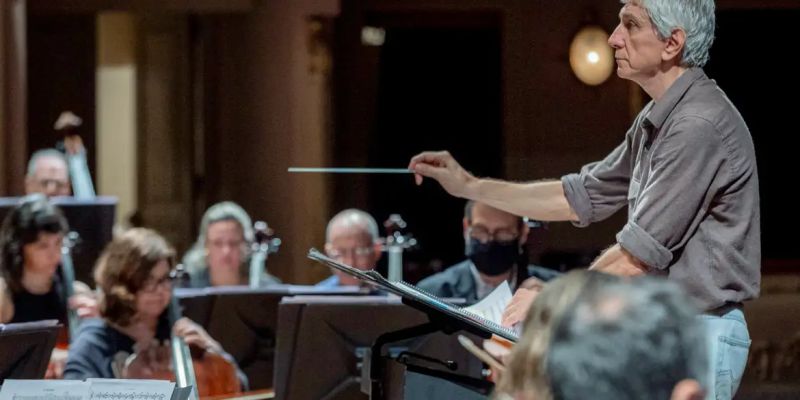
column 442, row 316
column 245, row 321
column 25, row 349
column 93, row 220
column 324, row 348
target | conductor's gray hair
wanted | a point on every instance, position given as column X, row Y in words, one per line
column 695, row 17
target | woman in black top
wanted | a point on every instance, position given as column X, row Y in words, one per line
column 30, row 281
column 133, row 274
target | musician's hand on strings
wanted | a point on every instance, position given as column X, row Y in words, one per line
column 517, row 309
column 442, row 167
column 85, row 305
column 194, row 335
column 84, row 301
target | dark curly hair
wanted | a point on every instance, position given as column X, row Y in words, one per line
column 22, row 226
column 123, row 269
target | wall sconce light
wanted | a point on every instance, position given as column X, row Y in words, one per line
column 590, row 56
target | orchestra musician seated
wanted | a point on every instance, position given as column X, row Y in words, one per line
column 32, row 287
column 48, row 174
column 494, row 247
column 351, row 238
column 134, row 277
column 221, row 254
column 51, row 172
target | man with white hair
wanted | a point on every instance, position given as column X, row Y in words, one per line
column 351, row 238
column 48, row 174
column 686, row 170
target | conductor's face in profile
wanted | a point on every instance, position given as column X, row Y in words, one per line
column 352, row 245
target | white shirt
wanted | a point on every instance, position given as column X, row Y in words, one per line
column 482, row 289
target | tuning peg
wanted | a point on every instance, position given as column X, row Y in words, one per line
column 180, row 277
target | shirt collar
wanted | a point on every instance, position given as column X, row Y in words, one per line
column 662, row 108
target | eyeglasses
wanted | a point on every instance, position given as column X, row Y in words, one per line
column 355, row 253
column 152, row 284
column 483, row 235
column 219, row 244
column 56, row 183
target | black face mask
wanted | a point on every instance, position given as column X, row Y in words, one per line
column 492, row 258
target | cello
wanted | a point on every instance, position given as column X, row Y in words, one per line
column 68, row 333
column 207, row 372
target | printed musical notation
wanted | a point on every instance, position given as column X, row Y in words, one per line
column 48, row 396
column 14, row 389
column 128, row 396
column 91, row 389
column 130, row 389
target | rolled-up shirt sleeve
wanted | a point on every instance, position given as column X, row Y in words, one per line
column 684, row 166
column 601, row 188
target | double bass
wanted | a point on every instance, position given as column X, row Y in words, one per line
column 208, row 373
column 67, row 125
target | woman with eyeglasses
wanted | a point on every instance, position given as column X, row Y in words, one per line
column 31, row 285
column 220, row 257
column 133, row 274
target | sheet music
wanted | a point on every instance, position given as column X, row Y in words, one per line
column 99, row 389
column 19, row 389
column 493, row 305
column 130, row 389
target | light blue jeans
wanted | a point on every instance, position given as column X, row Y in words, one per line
column 728, row 344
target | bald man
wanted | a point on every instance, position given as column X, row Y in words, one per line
column 351, row 238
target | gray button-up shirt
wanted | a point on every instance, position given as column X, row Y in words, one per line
column 687, row 172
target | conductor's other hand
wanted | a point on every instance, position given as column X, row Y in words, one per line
column 442, row 167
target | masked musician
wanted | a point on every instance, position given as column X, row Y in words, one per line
column 494, row 248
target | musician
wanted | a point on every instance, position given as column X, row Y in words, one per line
column 220, row 256
column 525, row 365
column 53, row 173
column 31, row 285
column 351, row 238
column 494, row 242
column 133, row 274
column 48, row 174
column 632, row 339
column 686, row 170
